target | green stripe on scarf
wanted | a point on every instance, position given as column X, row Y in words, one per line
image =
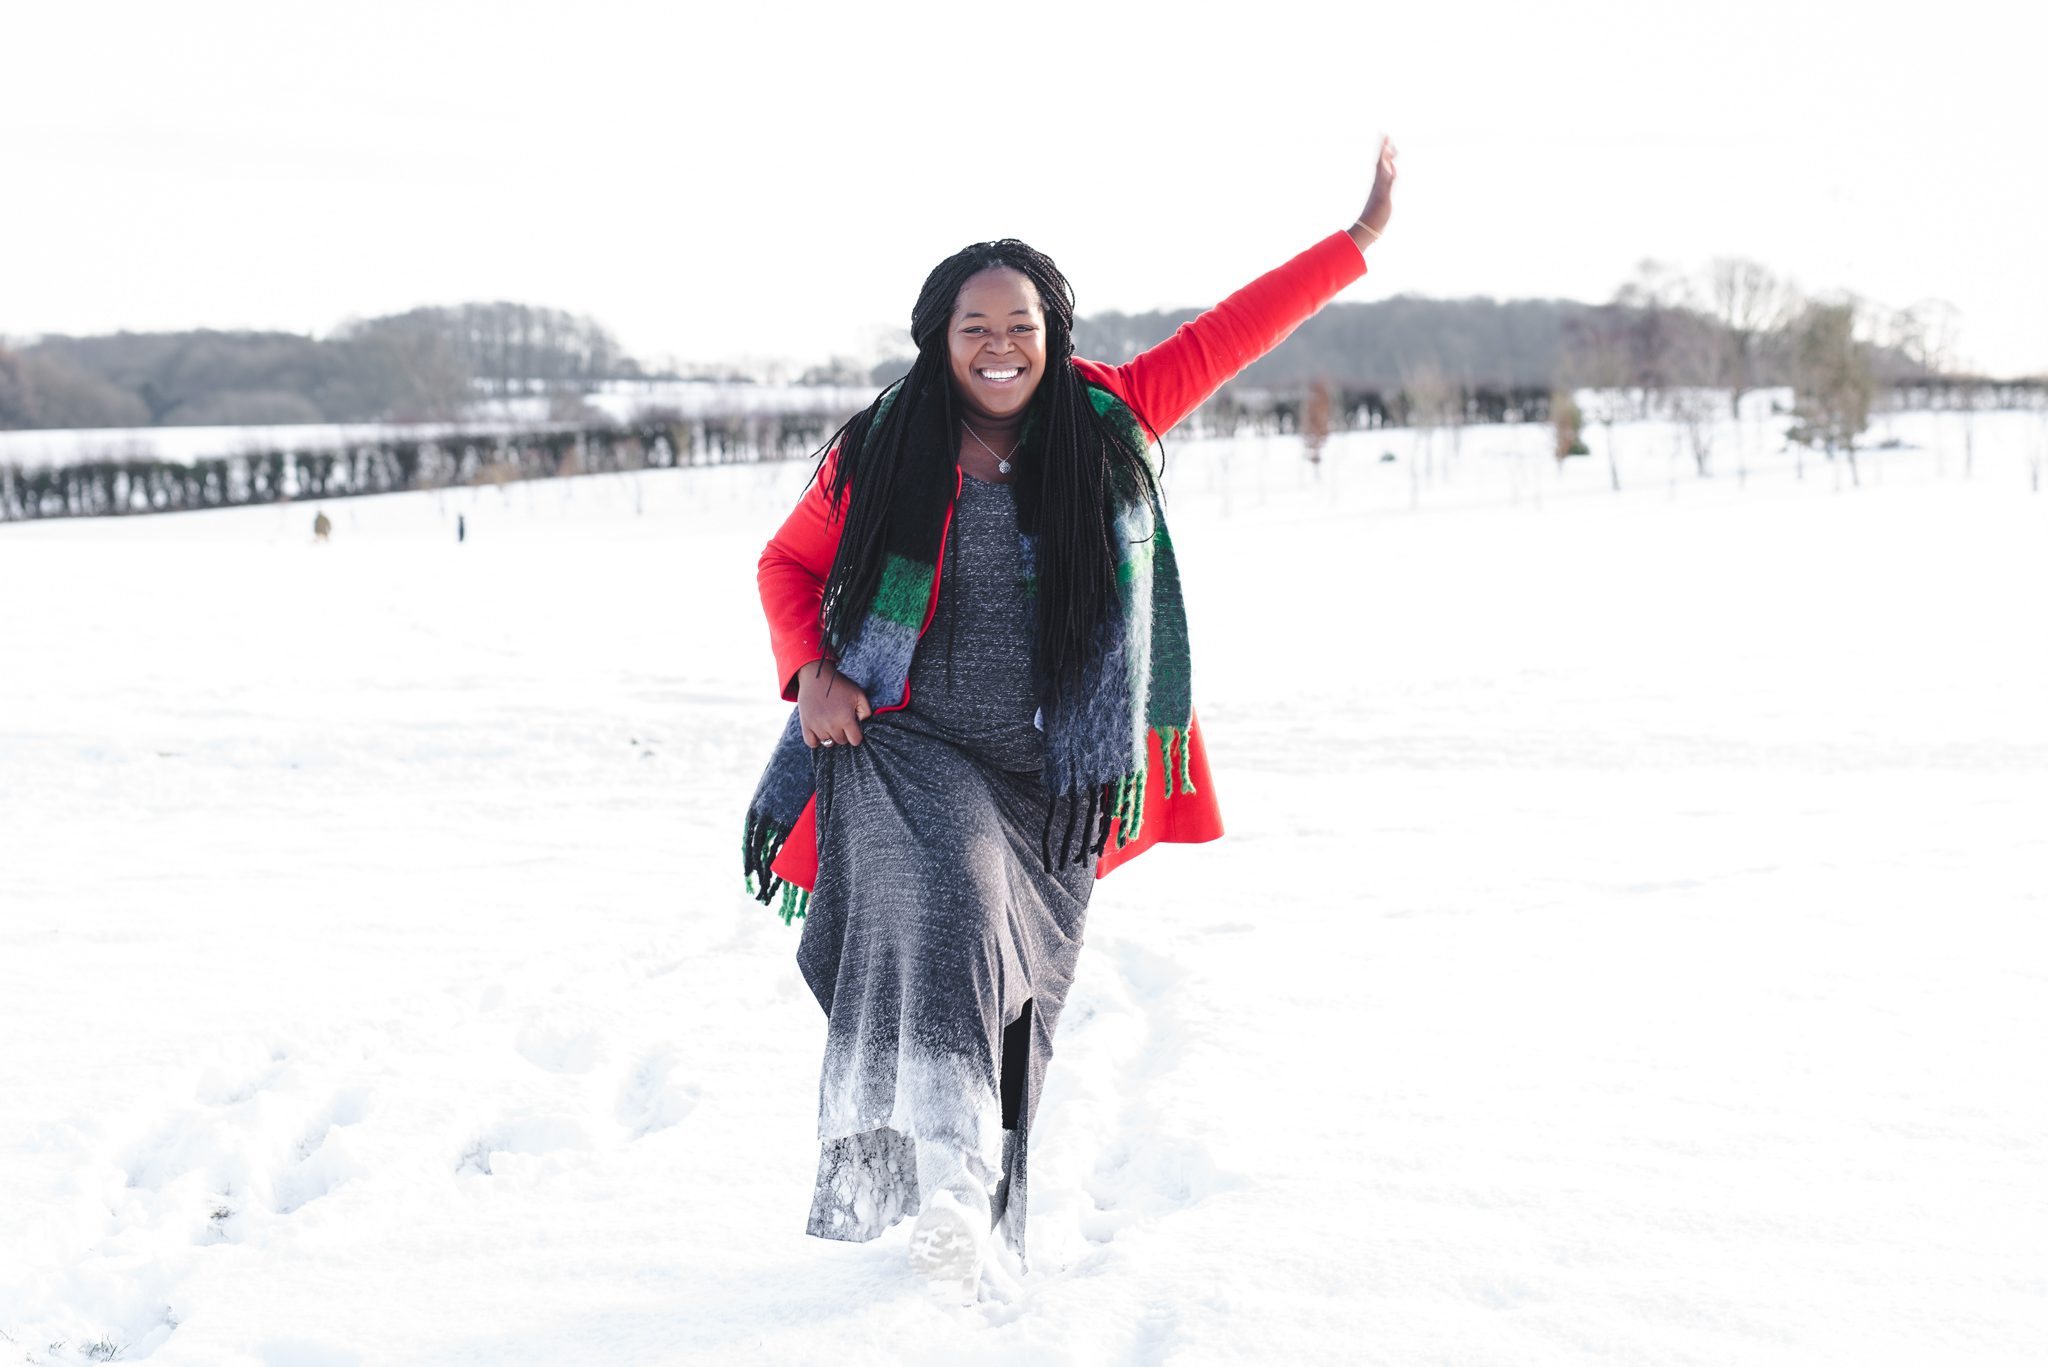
column 904, row 592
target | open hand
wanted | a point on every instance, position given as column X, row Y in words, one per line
column 829, row 705
column 1379, row 205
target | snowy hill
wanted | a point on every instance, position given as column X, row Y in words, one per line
column 1627, row 946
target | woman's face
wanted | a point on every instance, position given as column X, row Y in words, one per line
column 997, row 341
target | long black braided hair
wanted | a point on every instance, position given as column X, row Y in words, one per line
column 895, row 473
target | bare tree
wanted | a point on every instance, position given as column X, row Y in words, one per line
column 1565, row 421
column 1315, row 422
column 1834, row 379
column 1752, row 305
column 1428, row 395
column 1457, row 414
column 1694, row 397
column 1925, row 334
column 1603, row 355
column 1652, row 309
column 2037, row 454
column 1918, row 339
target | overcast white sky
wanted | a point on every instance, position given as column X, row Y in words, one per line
column 724, row 181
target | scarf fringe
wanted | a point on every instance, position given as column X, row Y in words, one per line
column 1120, row 802
column 760, row 842
column 795, row 902
column 1171, row 737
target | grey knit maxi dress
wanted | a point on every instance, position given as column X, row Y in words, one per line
column 938, row 944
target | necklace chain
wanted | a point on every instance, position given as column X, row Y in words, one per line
column 1002, row 461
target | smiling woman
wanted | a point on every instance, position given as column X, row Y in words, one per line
column 943, row 852
column 997, row 346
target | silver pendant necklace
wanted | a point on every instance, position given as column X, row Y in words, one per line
column 1002, row 462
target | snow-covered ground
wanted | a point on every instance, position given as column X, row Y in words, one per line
column 1628, row 947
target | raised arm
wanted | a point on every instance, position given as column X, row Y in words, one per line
column 1169, row 381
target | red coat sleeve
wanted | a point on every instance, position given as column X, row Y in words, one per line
column 1169, row 381
column 792, row 573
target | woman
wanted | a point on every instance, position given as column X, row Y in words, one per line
column 987, row 538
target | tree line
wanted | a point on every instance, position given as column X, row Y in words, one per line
column 657, row 440
column 1729, row 326
column 1730, row 319
column 1676, row 345
column 423, row 365
column 1667, row 345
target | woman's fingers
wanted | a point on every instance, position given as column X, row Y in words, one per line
column 838, row 720
column 842, row 729
column 860, row 712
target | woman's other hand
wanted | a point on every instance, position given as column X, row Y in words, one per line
column 828, row 704
column 1379, row 205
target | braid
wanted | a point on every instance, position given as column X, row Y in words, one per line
column 896, row 473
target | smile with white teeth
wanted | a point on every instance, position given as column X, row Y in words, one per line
column 998, row 376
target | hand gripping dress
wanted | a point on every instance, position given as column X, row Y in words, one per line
column 939, row 946
column 937, row 942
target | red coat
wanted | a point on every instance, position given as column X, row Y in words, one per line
column 1162, row 386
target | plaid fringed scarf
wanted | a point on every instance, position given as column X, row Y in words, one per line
column 1135, row 685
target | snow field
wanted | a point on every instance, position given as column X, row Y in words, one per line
column 1626, row 947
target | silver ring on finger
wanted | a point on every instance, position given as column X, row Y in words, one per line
column 824, row 742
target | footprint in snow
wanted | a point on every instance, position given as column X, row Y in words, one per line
column 1149, row 973
column 532, row 1136
column 241, row 1069
column 316, row 1166
column 559, row 1045
column 651, row 1097
column 1160, row 1174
